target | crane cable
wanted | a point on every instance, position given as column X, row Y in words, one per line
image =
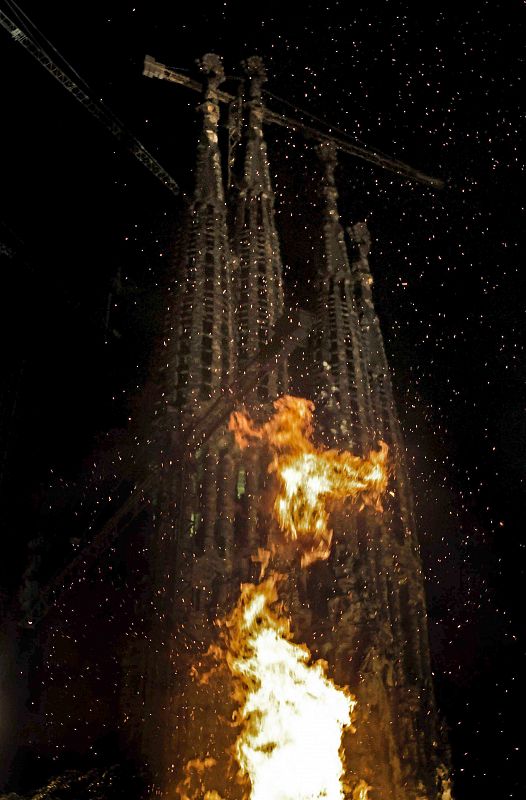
column 23, row 31
column 33, row 31
column 330, row 128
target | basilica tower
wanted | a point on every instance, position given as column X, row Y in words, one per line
column 363, row 609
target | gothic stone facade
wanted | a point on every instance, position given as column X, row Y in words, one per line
column 364, row 609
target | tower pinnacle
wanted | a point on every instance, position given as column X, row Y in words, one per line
column 339, row 333
column 208, row 178
column 200, row 319
column 255, row 240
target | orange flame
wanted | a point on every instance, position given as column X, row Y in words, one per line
column 290, row 715
column 193, row 783
column 361, row 791
column 310, row 479
column 289, row 718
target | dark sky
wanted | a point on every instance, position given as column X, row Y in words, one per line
column 437, row 86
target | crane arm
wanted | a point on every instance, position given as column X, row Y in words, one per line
column 95, row 108
column 154, row 69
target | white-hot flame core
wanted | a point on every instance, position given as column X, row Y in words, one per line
column 293, row 715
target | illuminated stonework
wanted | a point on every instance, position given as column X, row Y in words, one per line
column 362, row 608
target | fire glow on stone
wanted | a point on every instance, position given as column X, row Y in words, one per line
column 310, row 479
column 291, row 715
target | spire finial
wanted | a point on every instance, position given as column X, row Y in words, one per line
column 359, row 234
column 208, row 180
column 255, row 69
column 212, row 66
column 328, row 156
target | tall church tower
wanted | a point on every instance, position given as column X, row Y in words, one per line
column 406, row 650
column 340, row 356
column 363, row 610
column 255, row 239
column 259, row 303
column 367, row 602
column 192, row 557
column 225, row 296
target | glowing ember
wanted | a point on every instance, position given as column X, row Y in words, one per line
column 310, row 479
column 291, row 715
column 361, row 791
column 195, row 773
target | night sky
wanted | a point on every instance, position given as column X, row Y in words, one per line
column 90, row 229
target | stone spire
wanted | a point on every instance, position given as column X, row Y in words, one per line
column 379, row 402
column 255, row 240
column 199, row 324
column 399, row 568
column 339, row 331
column 208, row 174
column 205, row 365
column 193, row 539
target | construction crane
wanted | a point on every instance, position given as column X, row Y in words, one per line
column 292, row 330
column 154, row 69
column 95, row 107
